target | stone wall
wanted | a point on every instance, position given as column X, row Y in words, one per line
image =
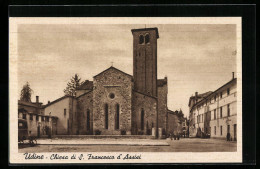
column 162, row 107
column 108, row 83
column 84, row 104
column 148, row 104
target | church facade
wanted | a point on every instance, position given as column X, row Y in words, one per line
column 116, row 103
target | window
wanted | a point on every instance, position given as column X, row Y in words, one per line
column 42, row 118
column 214, row 114
column 228, row 91
column 106, row 116
column 112, row 95
column 24, row 116
column 88, row 120
column 37, row 118
column 141, row 39
column 215, row 130
column 220, row 94
column 142, row 119
column 65, row 112
column 221, row 130
column 228, row 110
column 147, row 38
column 220, row 109
column 228, row 128
column 117, row 117
column 215, row 97
column 31, row 117
column 47, row 119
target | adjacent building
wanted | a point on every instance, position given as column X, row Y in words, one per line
column 177, row 124
column 214, row 113
column 38, row 123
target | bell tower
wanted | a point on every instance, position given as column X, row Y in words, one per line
column 145, row 60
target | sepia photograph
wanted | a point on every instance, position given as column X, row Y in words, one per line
column 125, row 90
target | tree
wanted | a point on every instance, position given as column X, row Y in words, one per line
column 72, row 85
column 26, row 93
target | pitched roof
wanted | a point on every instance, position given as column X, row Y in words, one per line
column 20, row 102
column 172, row 112
column 114, row 69
column 144, row 94
column 59, row 99
column 161, row 82
column 85, row 93
column 200, row 96
column 87, row 85
column 212, row 93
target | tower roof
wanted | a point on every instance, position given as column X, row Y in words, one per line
column 147, row 29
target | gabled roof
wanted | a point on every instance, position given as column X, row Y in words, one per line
column 87, row 85
column 114, row 69
column 59, row 99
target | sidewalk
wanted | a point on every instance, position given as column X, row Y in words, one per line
column 132, row 142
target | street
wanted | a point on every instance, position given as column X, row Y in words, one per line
column 182, row 145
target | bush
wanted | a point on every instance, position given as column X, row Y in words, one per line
column 97, row 132
column 123, row 132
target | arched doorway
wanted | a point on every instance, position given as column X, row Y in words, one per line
column 142, row 119
column 117, row 117
column 106, row 116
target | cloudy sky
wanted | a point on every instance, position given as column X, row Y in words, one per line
column 193, row 57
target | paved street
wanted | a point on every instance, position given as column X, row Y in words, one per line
column 182, row 145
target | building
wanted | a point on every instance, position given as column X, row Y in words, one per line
column 177, row 124
column 116, row 103
column 38, row 123
column 214, row 113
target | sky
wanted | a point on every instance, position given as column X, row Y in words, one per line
column 194, row 57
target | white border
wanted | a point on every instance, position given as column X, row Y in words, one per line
column 147, row 157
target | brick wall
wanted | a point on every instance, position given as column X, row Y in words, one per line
column 145, row 62
column 148, row 104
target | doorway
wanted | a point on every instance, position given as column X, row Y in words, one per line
column 235, row 132
column 38, row 131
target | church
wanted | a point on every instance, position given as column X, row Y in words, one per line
column 116, row 103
